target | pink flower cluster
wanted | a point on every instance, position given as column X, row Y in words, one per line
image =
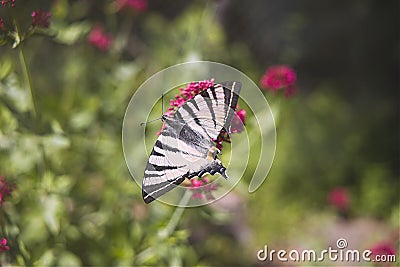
column 3, row 245
column 202, row 187
column 238, row 121
column 280, row 77
column 222, row 137
column 5, row 190
column 383, row 248
column 187, row 93
column 5, row 2
column 41, row 18
column 339, row 198
column 135, row 5
column 99, row 39
column 237, row 127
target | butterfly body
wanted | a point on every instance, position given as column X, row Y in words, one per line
column 186, row 147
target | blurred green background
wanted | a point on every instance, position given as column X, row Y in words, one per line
column 73, row 200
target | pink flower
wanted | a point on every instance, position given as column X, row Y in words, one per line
column 197, row 195
column 1, row 24
column 339, row 198
column 202, row 187
column 187, row 93
column 99, row 39
column 5, row 2
column 384, row 248
column 221, row 138
column 41, row 18
column 136, row 5
column 5, row 190
column 238, row 121
column 279, row 77
column 3, row 245
column 196, row 183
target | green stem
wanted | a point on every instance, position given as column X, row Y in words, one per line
column 24, row 64
column 146, row 254
column 173, row 222
column 28, row 78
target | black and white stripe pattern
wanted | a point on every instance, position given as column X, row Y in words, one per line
column 185, row 148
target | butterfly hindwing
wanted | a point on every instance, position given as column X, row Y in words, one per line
column 183, row 148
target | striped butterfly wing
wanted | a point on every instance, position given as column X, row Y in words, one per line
column 185, row 148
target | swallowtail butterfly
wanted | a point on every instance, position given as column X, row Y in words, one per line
column 185, row 147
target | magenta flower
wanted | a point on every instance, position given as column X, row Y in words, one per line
column 238, row 121
column 41, row 18
column 197, row 195
column 196, row 183
column 384, row 248
column 3, row 245
column 279, row 77
column 135, row 5
column 99, row 39
column 5, row 2
column 202, row 187
column 5, row 190
column 187, row 93
column 237, row 127
column 221, row 138
column 1, row 24
column 339, row 198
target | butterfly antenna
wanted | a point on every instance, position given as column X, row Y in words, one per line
column 144, row 123
column 162, row 114
column 162, row 104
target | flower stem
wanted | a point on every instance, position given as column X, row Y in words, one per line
column 146, row 254
column 173, row 222
column 28, row 78
column 24, row 64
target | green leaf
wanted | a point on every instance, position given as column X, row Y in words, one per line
column 52, row 210
column 8, row 124
column 25, row 154
column 47, row 259
column 69, row 259
column 60, row 9
column 12, row 89
column 5, row 68
column 54, row 143
column 72, row 33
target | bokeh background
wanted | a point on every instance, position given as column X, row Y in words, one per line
column 66, row 195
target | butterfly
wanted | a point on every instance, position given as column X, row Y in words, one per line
column 185, row 147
